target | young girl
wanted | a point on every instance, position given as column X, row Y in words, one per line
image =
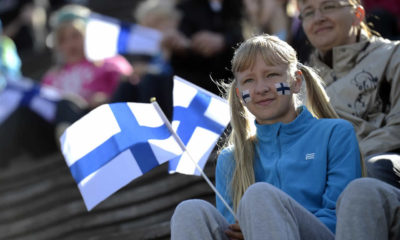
column 283, row 180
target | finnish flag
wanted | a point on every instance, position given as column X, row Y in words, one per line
column 24, row 92
column 105, row 37
column 199, row 118
column 114, row 144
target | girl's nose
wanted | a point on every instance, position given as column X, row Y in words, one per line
column 262, row 87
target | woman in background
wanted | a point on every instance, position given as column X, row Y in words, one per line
column 361, row 72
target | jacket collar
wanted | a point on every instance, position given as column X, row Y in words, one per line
column 344, row 57
column 267, row 132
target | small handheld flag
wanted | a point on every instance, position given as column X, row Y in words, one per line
column 105, row 37
column 282, row 88
column 24, row 92
column 199, row 118
column 120, row 139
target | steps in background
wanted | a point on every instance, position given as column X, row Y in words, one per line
column 40, row 200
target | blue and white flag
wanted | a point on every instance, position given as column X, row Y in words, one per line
column 24, row 92
column 114, row 144
column 282, row 88
column 105, row 37
column 199, row 118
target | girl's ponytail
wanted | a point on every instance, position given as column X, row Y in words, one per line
column 317, row 100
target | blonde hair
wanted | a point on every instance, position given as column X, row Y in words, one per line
column 73, row 15
column 274, row 52
column 69, row 15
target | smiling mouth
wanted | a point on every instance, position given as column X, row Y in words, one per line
column 323, row 29
column 265, row 102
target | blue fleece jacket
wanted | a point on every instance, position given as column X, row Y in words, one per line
column 310, row 159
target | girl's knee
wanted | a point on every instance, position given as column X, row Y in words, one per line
column 362, row 186
column 261, row 191
column 363, row 190
column 193, row 208
column 259, row 187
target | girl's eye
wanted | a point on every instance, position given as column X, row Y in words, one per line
column 247, row 80
column 270, row 75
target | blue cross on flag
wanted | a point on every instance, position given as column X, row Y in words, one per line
column 199, row 118
column 105, row 37
column 114, row 144
column 282, row 88
column 24, row 92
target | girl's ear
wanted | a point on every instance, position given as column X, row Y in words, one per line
column 298, row 80
column 359, row 12
column 239, row 95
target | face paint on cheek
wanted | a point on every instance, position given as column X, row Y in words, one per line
column 246, row 96
column 282, row 88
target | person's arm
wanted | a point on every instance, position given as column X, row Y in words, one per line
column 175, row 42
column 204, row 40
column 223, row 176
column 344, row 165
column 387, row 138
column 208, row 43
column 25, row 17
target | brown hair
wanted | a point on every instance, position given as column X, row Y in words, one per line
column 364, row 25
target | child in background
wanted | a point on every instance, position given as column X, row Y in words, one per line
column 81, row 84
column 75, row 76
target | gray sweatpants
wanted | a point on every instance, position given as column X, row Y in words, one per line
column 368, row 209
column 264, row 212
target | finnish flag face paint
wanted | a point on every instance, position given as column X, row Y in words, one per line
column 246, row 96
column 282, row 88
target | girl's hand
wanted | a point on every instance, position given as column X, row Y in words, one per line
column 234, row 232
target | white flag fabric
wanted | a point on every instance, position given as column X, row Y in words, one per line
column 105, row 37
column 199, row 118
column 24, row 92
column 114, row 144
